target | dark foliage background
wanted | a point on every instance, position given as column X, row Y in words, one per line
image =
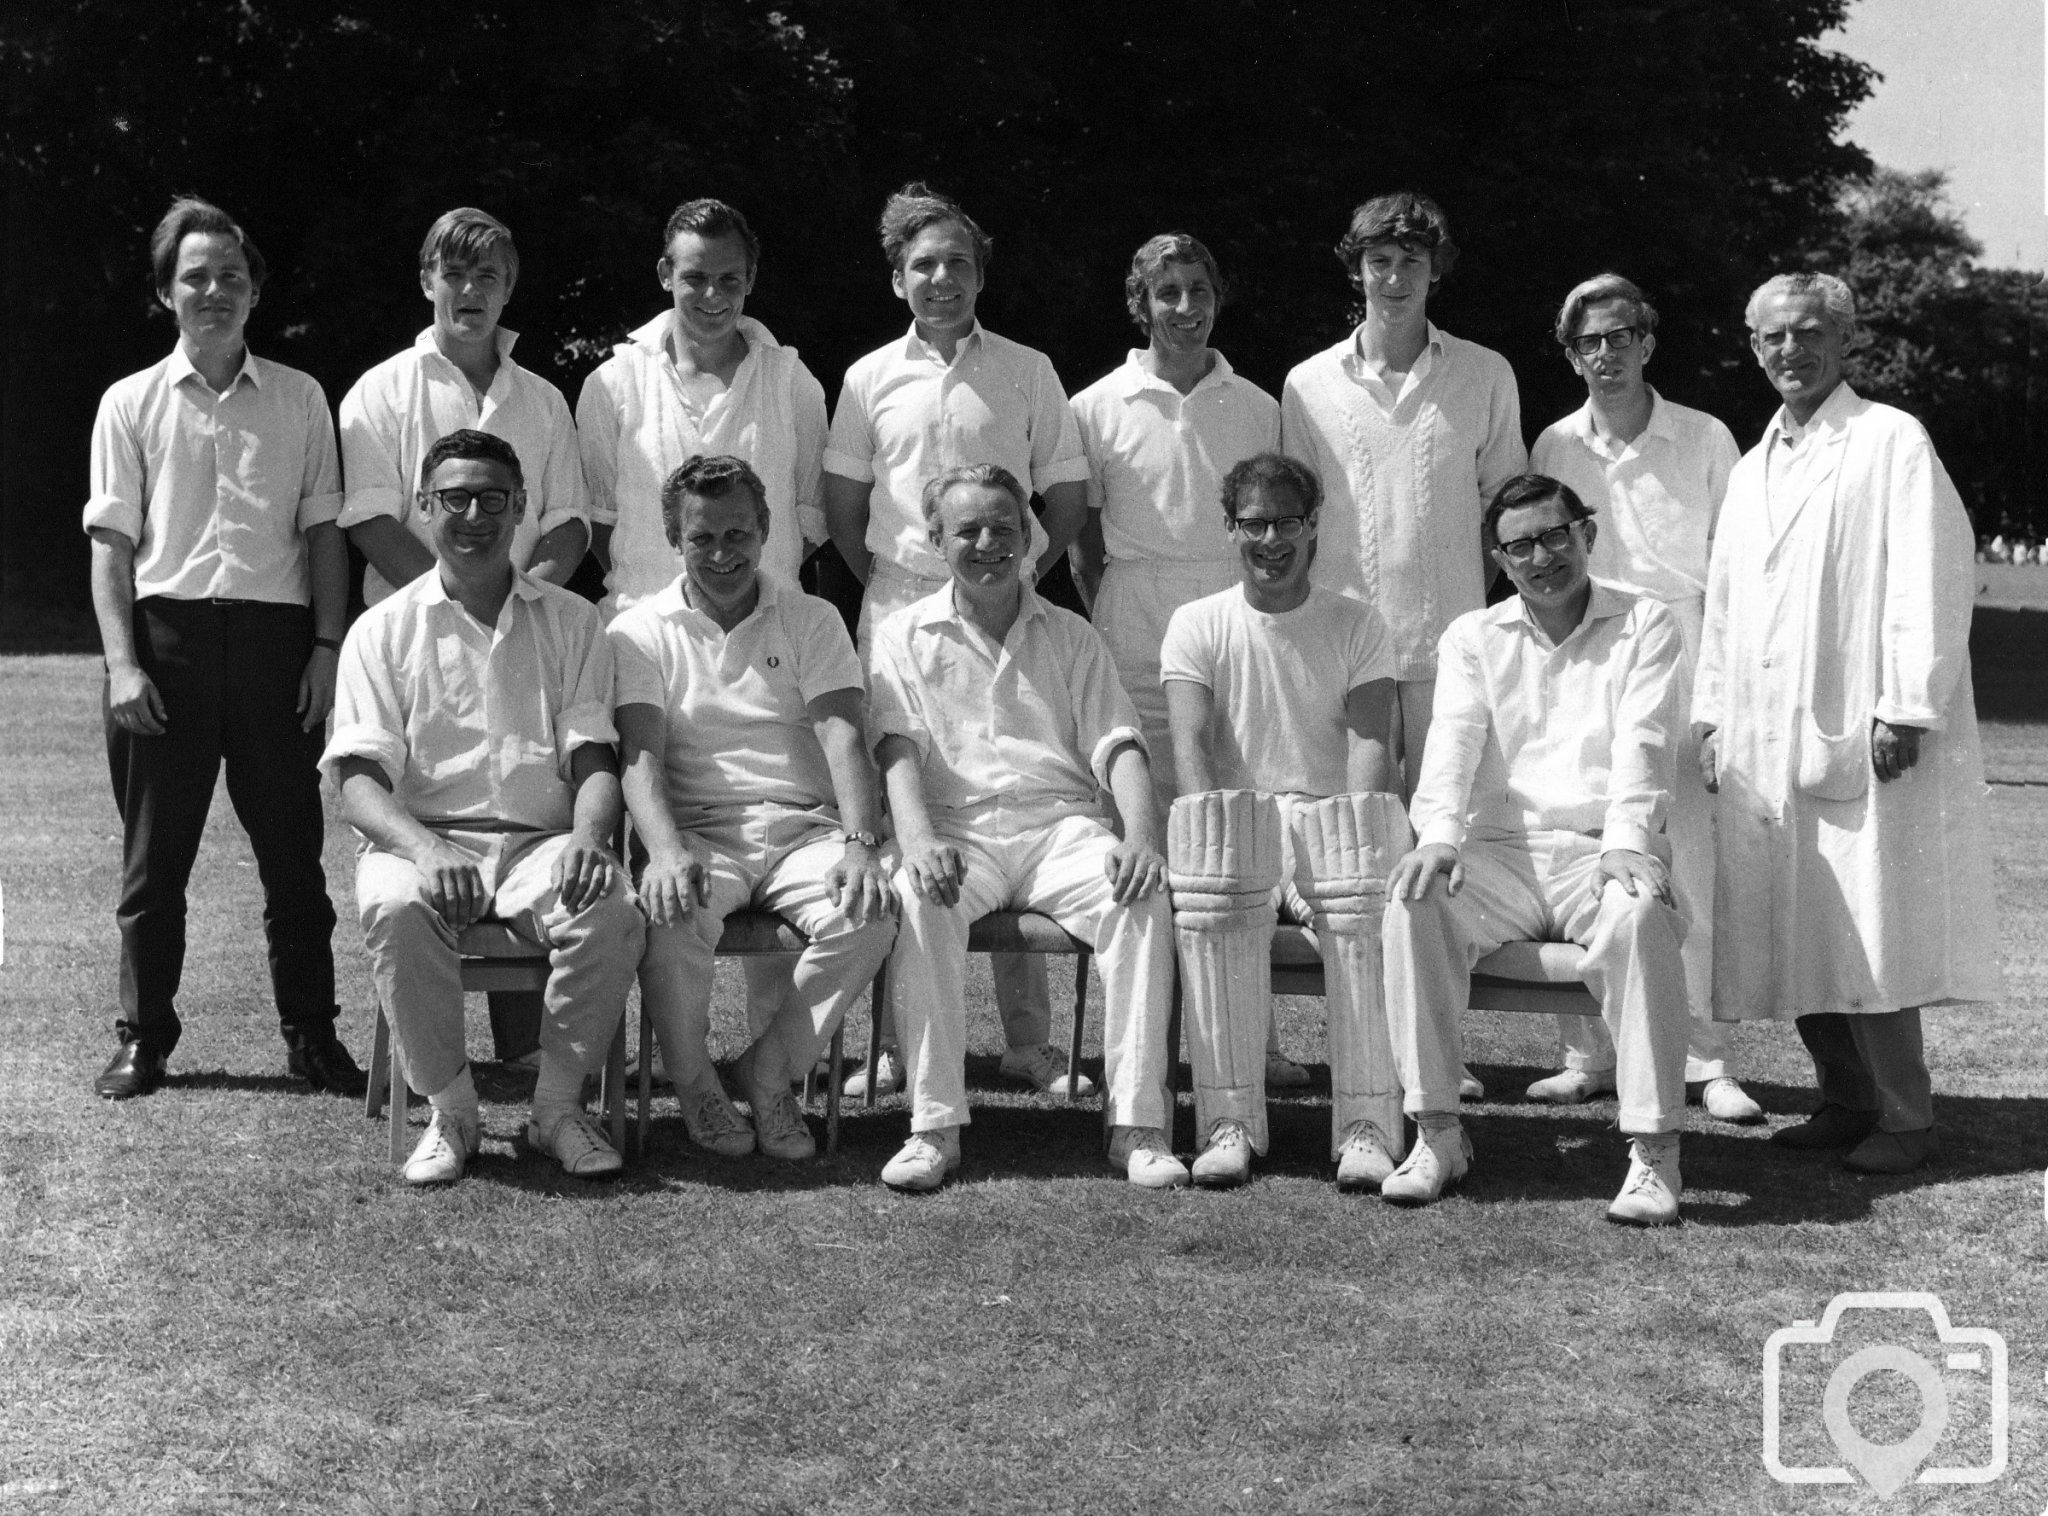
column 1689, row 143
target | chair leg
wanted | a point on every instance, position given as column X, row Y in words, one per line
column 1173, row 1032
column 613, row 1096
column 1080, row 1024
column 646, row 1082
column 878, row 996
column 834, row 1070
column 380, row 1067
column 399, row 1096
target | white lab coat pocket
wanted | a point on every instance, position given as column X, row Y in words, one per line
column 1834, row 765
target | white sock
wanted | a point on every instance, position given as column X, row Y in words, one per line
column 456, row 1101
column 558, row 1091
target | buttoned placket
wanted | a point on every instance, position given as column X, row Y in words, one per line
column 222, row 494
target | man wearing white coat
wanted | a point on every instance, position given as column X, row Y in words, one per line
column 1835, row 654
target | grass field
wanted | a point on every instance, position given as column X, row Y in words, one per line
column 219, row 1299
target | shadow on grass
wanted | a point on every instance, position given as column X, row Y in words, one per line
column 224, row 1079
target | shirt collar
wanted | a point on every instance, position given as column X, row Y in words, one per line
column 653, row 336
column 915, row 346
column 181, row 368
column 765, row 595
column 424, row 343
column 1137, row 378
column 1354, row 350
column 435, row 592
column 1832, row 416
column 1607, row 600
column 1661, row 423
column 938, row 608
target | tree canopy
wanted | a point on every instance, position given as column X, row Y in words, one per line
column 1689, row 144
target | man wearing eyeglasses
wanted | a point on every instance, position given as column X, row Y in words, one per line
column 1655, row 472
column 1540, row 814
column 1836, row 650
column 474, row 750
column 1285, row 689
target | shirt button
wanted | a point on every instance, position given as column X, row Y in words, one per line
column 1767, row 663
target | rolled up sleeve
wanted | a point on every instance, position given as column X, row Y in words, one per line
column 850, row 449
column 563, row 498
column 807, row 407
column 118, row 482
column 1057, row 456
column 1104, row 718
column 320, row 493
column 597, row 443
column 368, row 719
column 586, row 714
column 369, row 459
column 894, row 706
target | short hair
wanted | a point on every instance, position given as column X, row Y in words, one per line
column 1530, row 489
column 1835, row 296
column 988, row 475
column 1596, row 291
column 466, row 442
column 708, row 218
column 1271, row 471
column 710, row 477
column 916, row 206
column 464, row 237
column 1414, row 221
column 1146, row 263
column 189, row 214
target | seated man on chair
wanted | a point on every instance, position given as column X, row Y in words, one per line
column 1545, row 789
column 1285, row 689
column 740, row 709
column 998, row 719
column 473, row 750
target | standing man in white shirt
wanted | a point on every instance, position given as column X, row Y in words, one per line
column 1837, row 653
column 998, row 721
column 473, row 748
column 458, row 373
column 1539, row 815
column 1654, row 473
column 1160, row 433
column 740, row 712
column 702, row 378
column 945, row 394
column 221, row 584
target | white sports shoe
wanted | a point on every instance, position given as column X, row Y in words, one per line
column 1146, row 1158
column 1044, row 1068
column 1649, row 1196
column 888, row 1077
column 923, row 1163
column 1572, row 1086
column 1363, row 1159
column 713, row 1123
column 1227, row 1161
column 1726, row 1100
column 442, row 1154
column 1438, row 1161
column 575, row 1140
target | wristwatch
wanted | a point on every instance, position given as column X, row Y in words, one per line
column 866, row 839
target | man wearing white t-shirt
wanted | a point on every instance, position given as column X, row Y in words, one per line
column 749, row 782
column 1655, row 472
column 459, row 373
column 700, row 378
column 949, row 393
column 1282, row 688
column 1160, row 433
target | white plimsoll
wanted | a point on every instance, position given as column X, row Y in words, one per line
column 1345, row 846
column 1223, row 861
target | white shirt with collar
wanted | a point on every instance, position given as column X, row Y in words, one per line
column 474, row 725
column 1156, row 458
column 410, row 401
column 1656, row 498
column 736, row 702
column 905, row 414
column 637, row 422
column 1579, row 736
column 216, row 491
column 1406, row 474
column 1021, row 734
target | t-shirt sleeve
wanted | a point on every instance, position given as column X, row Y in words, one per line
column 636, row 664
column 826, row 660
column 1188, row 652
column 1369, row 648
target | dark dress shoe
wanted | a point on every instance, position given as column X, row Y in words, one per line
column 1832, row 1126
column 324, row 1063
column 1891, row 1152
column 134, row 1071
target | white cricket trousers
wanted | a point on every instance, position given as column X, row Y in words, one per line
column 413, row 959
column 1543, row 888
column 1057, row 870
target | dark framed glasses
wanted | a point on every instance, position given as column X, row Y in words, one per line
column 1554, row 542
column 1286, row 528
column 1620, row 338
column 456, row 502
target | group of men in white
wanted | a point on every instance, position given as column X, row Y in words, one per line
column 1720, row 736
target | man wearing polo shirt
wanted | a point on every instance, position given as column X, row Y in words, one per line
column 1655, row 473
column 747, row 772
column 459, row 372
column 1548, row 781
column 473, row 750
column 214, row 492
column 1160, row 433
column 948, row 393
column 998, row 720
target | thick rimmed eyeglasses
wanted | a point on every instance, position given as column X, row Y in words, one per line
column 1554, row 542
column 456, row 502
column 1620, row 338
column 1257, row 528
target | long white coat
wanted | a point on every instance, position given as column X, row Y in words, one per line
column 1834, row 892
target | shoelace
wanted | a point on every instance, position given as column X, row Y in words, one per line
column 716, row 1116
column 577, row 1137
column 781, row 1115
column 1363, row 1133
